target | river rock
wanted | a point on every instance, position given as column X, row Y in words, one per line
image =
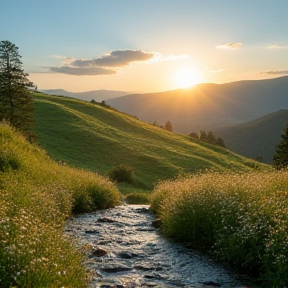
column 157, row 223
column 99, row 252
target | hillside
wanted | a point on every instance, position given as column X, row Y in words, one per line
column 208, row 106
column 258, row 138
column 97, row 95
column 96, row 138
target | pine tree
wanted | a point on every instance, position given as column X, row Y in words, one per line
column 280, row 159
column 16, row 105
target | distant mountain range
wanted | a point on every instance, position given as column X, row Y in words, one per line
column 97, row 95
column 208, row 106
column 256, row 139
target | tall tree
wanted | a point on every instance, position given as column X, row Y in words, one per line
column 16, row 105
column 168, row 126
column 280, row 159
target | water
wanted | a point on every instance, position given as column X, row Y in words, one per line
column 136, row 255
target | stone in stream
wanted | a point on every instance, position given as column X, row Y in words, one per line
column 105, row 220
column 157, row 223
column 99, row 252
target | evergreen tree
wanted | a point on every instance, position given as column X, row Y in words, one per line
column 220, row 142
column 280, row 159
column 203, row 136
column 16, row 105
column 168, row 126
column 194, row 135
column 211, row 138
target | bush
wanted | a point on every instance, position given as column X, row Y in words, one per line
column 122, row 173
column 137, row 198
column 8, row 161
column 241, row 219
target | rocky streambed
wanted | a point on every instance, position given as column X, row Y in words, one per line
column 126, row 251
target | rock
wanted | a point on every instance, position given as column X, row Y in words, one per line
column 115, row 269
column 143, row 267
column 91, row 232
column 157, row 223
column 211, row 283
column 99, row 252
column 127, row 255
column 105, row 220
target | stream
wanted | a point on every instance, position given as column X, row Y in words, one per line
column 126, row 251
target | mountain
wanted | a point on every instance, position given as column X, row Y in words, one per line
column 98, row 138
column 208, row 106
column 97, row 95
column 256, row 139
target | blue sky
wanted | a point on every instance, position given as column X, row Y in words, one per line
column 146, row 46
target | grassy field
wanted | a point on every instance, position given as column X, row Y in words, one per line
column 241, row 219
column 36, row 196
column 96, row 138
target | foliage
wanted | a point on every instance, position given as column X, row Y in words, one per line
column 208, row 137
column 122, row 173
column 280, row 159
column 241, row 219
column 137, row 198
column 16, row 105
column 36, row 196
column 168, row 126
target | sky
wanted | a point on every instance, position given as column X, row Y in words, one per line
column 146, row 45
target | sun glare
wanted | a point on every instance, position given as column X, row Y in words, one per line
column 186, row 78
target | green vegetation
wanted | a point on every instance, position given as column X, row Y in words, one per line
column 16, row 105
column 242, row 219
column 280, row 159
column 36, row 195
column 96, row 138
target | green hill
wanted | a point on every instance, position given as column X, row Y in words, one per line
column 97, row 138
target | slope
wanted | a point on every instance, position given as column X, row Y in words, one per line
column 256, row 139
column 208, row 106
column 97, row 138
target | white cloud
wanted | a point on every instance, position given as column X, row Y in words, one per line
column 115, row 59
column 276, row 47
column 275, row 72
column 82, row 70
column 233, row 45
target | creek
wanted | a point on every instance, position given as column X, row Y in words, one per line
column 126, row 251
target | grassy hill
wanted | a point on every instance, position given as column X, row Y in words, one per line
column 258, row 138
column 96, row 138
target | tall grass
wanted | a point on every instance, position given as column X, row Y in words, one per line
column 36, row 196
column 240, row 219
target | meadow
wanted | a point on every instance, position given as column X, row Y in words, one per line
column 239, row 219
column 95, row 138
column 36, row 196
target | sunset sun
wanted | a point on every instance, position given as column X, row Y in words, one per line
column 186, row 78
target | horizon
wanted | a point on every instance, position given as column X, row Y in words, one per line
column 146, row 46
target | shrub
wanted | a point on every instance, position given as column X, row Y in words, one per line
column 122, row 173
column 8, row 161
column 241, row 219
column 137, row 198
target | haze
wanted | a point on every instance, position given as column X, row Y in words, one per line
column 143, row 46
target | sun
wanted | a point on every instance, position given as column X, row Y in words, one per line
column 186, row 78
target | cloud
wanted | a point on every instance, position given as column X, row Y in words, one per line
column 82, row 70
column 276, row 47
column 216, row 70
column 117, row 58
column 233, row 45
column 276, row 72
column 107, row 64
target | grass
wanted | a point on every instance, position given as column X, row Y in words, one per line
column 36, row 196
column 98, row 139
column 242, row 219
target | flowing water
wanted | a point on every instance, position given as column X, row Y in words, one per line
column 127, row 251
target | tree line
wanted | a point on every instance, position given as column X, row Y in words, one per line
column 208, row 137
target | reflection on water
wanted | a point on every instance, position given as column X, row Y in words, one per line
column 126, row 251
